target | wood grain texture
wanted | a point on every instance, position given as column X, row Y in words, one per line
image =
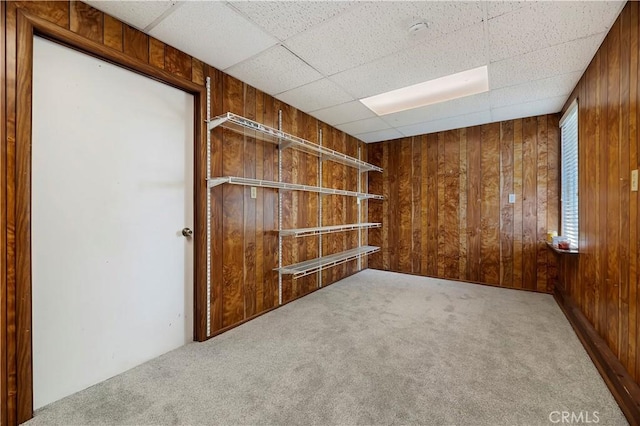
column 3, row 225
column 177, row 62
column 136, row 43
column 603, row 284
column 541, row 203
column 156, row 53
column 529, row 204
column 459, row 181
column 86, row 21
column 474, row 231
column 113, row 32
column 517, row 207
column 506, row 209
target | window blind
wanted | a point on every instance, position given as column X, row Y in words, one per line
column 569, row 174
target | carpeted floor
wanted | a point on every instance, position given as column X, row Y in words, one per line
column 375, row 348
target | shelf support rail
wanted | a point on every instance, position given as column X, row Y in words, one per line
column 280, row 213
column 320, row 202
column 208, row 174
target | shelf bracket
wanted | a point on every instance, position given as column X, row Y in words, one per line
column 212, row 124
column 212, row 182
column 284, row 145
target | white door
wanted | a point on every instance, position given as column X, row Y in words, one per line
column 112, row 188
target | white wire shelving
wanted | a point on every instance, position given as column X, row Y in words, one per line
column 259, row 131
column 320, row 230
column 301, row 269
column 235, row 180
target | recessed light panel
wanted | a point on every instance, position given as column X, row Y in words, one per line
column 430, row 92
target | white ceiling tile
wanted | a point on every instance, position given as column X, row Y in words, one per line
column 497, row 8
column 344, row 113
column 284, row 19
column 529, row 109
column 381, row 135
column 460, row 51
column 547, row 23
column 561, row 59
column 213, row 32
column 535, row 90
column 274, row 71
column 457, row 122
column 317, row 95
column 376, row 29
column 438, row 111
column 363, row 126
column 138, row 14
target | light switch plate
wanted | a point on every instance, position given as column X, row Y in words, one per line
column 512, row 198
column 634, row 180
column 254, row 192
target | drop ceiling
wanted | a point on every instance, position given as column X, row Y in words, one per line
column 322, row 56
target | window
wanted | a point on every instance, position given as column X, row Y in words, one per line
column 569, row 174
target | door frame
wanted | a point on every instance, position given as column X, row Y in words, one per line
column 28, row 26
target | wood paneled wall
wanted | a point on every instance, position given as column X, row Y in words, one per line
column 447, row 212
column 245, row 241
column 603, row 280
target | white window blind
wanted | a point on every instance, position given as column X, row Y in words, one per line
column 569, row 174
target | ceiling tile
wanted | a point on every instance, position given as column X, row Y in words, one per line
column 529, row 109
column 497, row 8
column 381, row 135
column 457, row 122
column 284, row 19
column 363, row 126
column 317, row 95
column 213, row 32
column 376, row 29
column 535, row 90
column 460, row 51
column 557, row 60
column 439, row 111
column 274, row 71
column 547, row 23
column 138, row 14
column 344, row 113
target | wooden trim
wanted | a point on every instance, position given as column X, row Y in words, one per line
column 622, row 386
column 23, row 216
column 3, row 219
column 27, row 26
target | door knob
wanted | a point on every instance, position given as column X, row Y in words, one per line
column 187, row 232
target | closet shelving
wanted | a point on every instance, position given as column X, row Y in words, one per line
column 247, row 127
column 234, row 180
column 307, row 267
column 253, row 129
column 321, row 230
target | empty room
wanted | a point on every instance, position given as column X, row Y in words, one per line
column 319, row 212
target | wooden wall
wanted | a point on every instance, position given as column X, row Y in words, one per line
column 245, row 249
column 447, row 212
column 603, row 280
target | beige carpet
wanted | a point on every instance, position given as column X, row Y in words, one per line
column 375, row 348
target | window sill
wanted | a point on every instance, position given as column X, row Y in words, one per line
column 561, row 251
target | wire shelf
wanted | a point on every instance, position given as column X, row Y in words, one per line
column 299, row 270
column 253, row 129
column 320, row 230
column 234, row 180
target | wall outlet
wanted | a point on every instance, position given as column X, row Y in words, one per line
column 254, row 192
column 512, row 198
column 634, row 180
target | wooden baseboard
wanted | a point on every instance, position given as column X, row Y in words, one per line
column 624, row 389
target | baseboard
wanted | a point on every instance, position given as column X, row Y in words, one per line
column 624, row 389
